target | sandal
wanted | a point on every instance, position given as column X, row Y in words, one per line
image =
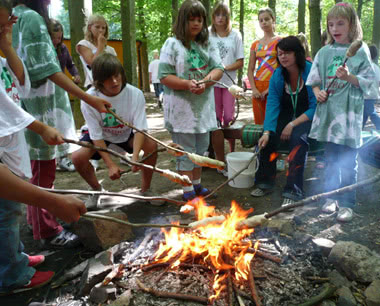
column 258, row 192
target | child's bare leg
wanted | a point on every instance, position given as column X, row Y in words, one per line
column 217, row 138
column 232, row 144
column 81, row 161
column 149, row 146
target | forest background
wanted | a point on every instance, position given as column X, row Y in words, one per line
column 149, row 23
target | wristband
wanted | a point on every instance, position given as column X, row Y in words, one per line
column 266, row 133
column 292, row 124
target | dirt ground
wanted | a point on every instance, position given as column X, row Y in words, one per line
column 364, row 229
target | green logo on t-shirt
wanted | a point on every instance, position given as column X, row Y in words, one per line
column 109, row 120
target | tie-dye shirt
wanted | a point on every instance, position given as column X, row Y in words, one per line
column 47, row 102
column 339, row 119
column 266, row 55
column 185, row 112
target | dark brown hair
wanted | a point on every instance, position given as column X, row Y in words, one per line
column 36, row 5
column 190, row 8
column 105, row 66
column 221, row 7
column 7, row 4
column 56, row 26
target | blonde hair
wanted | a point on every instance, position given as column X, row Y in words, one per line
column 302, row 37
column 90, row 21
column 346, row 11
column 221, row 7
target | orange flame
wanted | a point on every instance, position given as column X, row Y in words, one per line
column 218, row 246
column 273, row 156
column 293, row 153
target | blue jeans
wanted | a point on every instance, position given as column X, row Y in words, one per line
column 158, row 89
column 14, row 270
column 369, row 111
column 341, row 170
column 299, row 145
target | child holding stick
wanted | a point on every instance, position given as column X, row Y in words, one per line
column 339, row 113
column 189, row 107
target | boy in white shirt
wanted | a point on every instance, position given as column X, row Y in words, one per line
column 104, row 129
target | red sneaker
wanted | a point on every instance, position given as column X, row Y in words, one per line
column 39, row 279
column 35, row 260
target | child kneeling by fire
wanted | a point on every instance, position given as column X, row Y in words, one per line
column 104, row 129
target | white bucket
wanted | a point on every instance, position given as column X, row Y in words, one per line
column 237, row 161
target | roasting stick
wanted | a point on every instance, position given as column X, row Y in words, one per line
column 173, row 176
column 351, row 51
column 197, row 159
column 263, row 218
column 113, row 194
column 234, row 90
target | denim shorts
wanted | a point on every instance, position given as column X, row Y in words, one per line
column 192, row 143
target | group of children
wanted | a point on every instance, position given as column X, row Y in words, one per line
column 188, row 61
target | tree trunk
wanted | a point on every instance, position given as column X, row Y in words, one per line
column 76, row 33
column 272, row 5
column 231, row 7
column 241, row 28
column 301, row 16
column 337, row 1
column 360, row 7
column 128, row 28
column 315, row 25
column 174, row 10
column 376, row 24
column 206, row 4
column 144, row 74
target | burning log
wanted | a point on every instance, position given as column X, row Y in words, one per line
column 117, row 272
column 173, row 295
column 230, row 292
column 173, row 176
column 252, row 287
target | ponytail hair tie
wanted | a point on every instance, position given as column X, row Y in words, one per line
column 345, row 4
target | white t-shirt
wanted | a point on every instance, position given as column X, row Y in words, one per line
column 13, row 119
column 230, row 50
column 129, row 104
column 86, row 67
column 377, row 79
column 153, row 69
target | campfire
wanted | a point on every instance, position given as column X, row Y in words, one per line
column 216, row 245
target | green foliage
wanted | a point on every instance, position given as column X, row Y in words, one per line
column 156, row 15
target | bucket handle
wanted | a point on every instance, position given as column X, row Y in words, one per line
column 247, row 165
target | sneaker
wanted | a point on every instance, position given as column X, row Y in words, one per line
column 330, row 206
column 189, row 195
column 64, row 239
column 149, row 193
column 39, row 279
column 201, row 191
column 66, row 164
column 35, row 260
column 94, row 163
column 287, row 202
column 224, row 172
column 345, row 214
column 92, row 201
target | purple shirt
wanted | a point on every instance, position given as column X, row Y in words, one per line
column 66, row 61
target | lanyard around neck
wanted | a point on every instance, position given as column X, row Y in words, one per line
column 294, row 97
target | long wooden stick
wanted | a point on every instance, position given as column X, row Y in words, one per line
column 200, row 160
column 107, row 218
column 234, row 176
column 173, row 176
column 114, row 194
column 252, row 287
column 320, row 196
column 173, row 295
